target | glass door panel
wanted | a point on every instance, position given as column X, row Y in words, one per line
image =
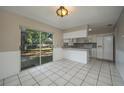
column 36, row 48
column 46, row 47
column 30, row 49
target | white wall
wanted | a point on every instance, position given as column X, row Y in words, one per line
column 9, row 63
column 57, row 54
column 10, row 36
column 119, row 44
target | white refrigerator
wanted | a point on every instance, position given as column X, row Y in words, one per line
column 105, row 47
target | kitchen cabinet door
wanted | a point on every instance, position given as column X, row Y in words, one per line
column 94, row 54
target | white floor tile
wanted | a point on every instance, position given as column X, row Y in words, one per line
column 43, row 70
column 30, row 82
column 103, row 84
column 115, row 74
column 54, row 77
column 1, row 82
column 61, row 73
column 86, row 84
column 80, row 76
column 47, row 73
column 76, row 81
column 23, row 73
column 66, row 72
column 60, row 82
column 105, row 80
column 40, row 77
column 90, row 80
column 52, row 84
column 11, row 78
column 25, row 78
column 32, row 70
column 12, row 83
column 118, row 83
column 117, row 79
column 36, row 84
column 45, row 82
column 105, row 75
column 94, row 76
column 67, row 77
column 36, row 73
column 72, row 72
column 69, row 84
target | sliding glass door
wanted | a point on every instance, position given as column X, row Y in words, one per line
column 46, row 47
column 36, row 48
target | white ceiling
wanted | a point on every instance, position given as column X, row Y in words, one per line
column 78, row 15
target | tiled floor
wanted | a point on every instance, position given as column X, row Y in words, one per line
column 67, row 73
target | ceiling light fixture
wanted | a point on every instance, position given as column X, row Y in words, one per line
column 62, row 11
column 90, row 29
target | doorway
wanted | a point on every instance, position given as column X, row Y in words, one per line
column 36, row 48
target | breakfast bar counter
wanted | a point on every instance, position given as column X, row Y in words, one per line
column 76, row 54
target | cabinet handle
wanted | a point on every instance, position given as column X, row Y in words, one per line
column 99, row 46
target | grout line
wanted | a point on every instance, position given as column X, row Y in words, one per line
column 34, row 79
column 50, row 79
column 3, row 81
column 56, row 79
column 87, row 74
column 65, row 73
column 99, row 72
column 7, row 78
column 47, row 76
column 110, row 74
column 19, row 80
column 74, row 75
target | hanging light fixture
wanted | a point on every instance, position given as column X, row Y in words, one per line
column 62, row 11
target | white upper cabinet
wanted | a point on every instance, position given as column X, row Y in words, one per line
column 75, row 34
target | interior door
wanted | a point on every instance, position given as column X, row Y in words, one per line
column 108, row 47
column 100, row 47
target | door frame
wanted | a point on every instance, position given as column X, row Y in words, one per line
column 24, row 28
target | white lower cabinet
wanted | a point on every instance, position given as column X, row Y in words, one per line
column 76, row 55
column 93, row 53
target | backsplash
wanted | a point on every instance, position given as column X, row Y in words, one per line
column 80, row 45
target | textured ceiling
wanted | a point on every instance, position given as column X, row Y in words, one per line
column 78, row 15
